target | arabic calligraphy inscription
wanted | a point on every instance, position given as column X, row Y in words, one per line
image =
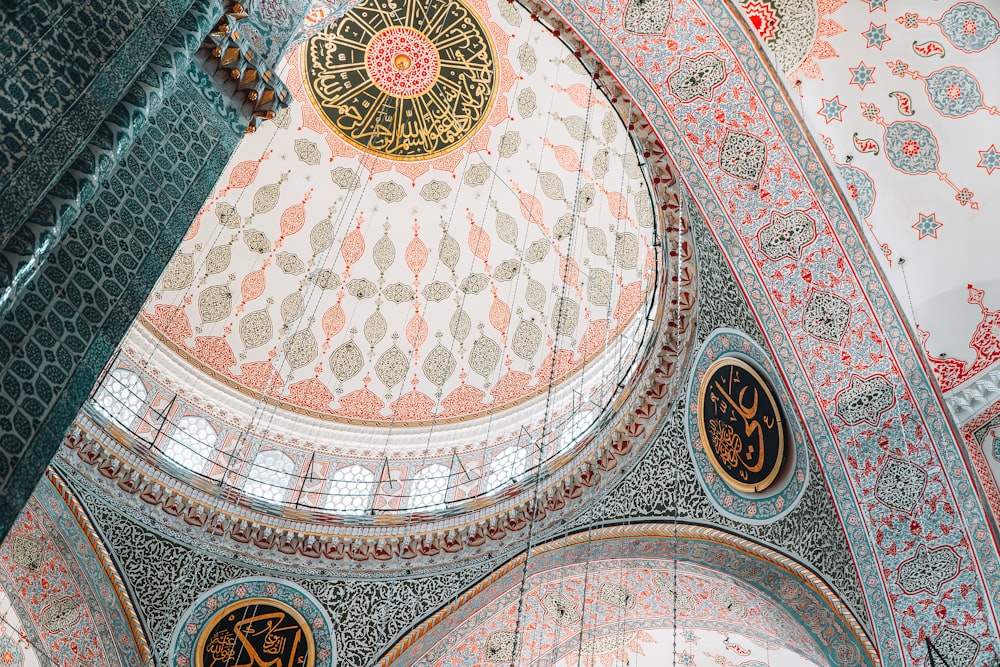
column 256, row 633
column 403, row 80
column 740, row 425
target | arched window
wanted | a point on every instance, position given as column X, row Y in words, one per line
column 122, row 397
column 507, row 465
column 573, row 429
column 428, row 487
column 191, row 443
column 270, row 476
column 350, row 490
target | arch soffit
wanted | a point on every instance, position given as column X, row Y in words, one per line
column 808, row 606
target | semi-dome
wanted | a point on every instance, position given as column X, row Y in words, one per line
column 426, row 283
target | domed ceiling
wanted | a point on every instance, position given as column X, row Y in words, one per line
column 434, row 272
column 643, row 594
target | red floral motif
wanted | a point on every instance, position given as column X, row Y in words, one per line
column 333, row 320
column 413, row 405
column 617, row 203
column 416, row 330
column 954, row 92
column 569, row 272
column 567, row 157
column 171, row 321
column 632, row 296
column 245, row 172
column 463, row 400
column 531, row 208
column 253, row 285
column 582, row 96
column 294, row 217
column 479, row 241
column 499, row 314
column 565, row 360
column 511, row 385
column 416, row 252
column 354, row 246
column 311, row 393
column 260, row 375
column 215, row 352
column 985, row 341
column 362, row 404
column 594, row 339
column 402, row 62
column 911, row 147
column 969, row 27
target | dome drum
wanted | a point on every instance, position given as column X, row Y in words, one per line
column 241, row 441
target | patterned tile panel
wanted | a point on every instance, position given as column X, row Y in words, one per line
column 65, row 65
column 30, row 245
column 60, row 333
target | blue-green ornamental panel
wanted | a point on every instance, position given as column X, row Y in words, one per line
column 790, row 476
column 61, row 331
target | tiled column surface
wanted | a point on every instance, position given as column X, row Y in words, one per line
column 50, row 168
column 61, row 330
column 63, row 66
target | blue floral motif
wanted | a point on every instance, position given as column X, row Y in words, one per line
column 954, row 92
column 860, row 187
column 911, row 148
column 970, row 27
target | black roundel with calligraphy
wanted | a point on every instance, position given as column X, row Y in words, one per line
column 256, row 633
column 740, row 425
column 403, row 79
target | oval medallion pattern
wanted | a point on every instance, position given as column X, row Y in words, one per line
column 745, row 413
column 254, row 621
column 740, row 425
column 376, row 76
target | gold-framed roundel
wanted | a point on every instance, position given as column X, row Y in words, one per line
column 740, row 424
column 403, row 79
column 256, row 631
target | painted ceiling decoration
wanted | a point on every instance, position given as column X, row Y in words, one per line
column 602, row 596
column 727, row 490
column 60, row 590
column 407, row 82
column 740, row 425
column 387, row 349
column 348, row 333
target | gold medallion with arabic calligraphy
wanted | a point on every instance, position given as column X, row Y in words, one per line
column 740, row 425
column 404, row 80
column 257, row 632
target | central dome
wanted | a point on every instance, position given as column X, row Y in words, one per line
column 349, row 289
column 375, row 313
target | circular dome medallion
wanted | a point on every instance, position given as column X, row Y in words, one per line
column 740, row 424
column 405, row 82
column 260, row 631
